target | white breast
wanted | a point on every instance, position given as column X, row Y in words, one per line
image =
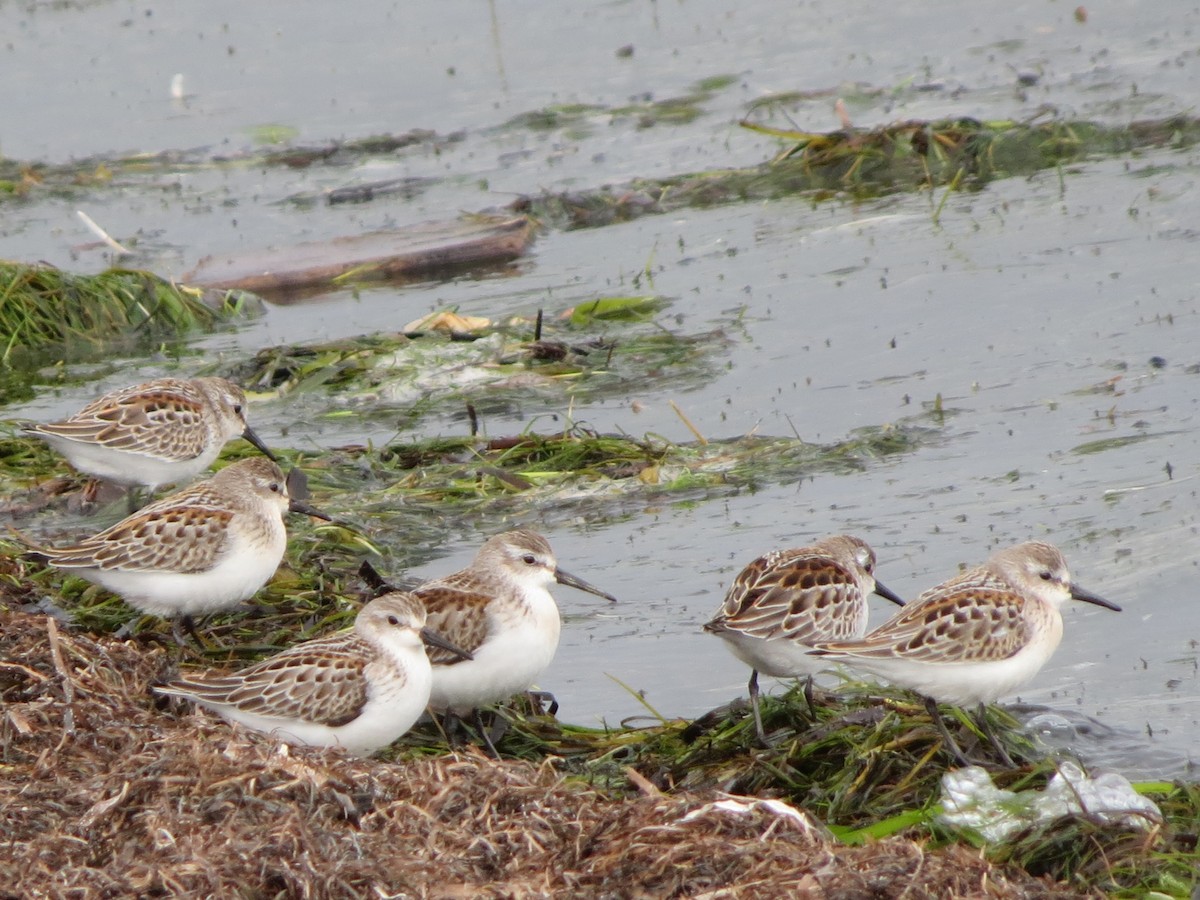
column 520, row 645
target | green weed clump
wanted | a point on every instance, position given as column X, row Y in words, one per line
column 42, row 307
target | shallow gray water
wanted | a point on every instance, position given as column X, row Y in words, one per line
column 1033, row 308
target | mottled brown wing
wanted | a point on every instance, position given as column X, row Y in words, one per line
column 457, row 613
column 796, row 595
column 163, row 421
column 186, row 532
column 974, row 617
column 318, row 681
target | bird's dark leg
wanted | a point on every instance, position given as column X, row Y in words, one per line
column 808, row 697
column 986, row 728
column 125, row 632
column 185, row 626
column 951, row 744
column 483, row 734
column 758, row 724
column 452, row 728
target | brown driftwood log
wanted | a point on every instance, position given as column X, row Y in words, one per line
column 418, row 251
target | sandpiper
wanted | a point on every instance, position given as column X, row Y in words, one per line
column 161, row 432
column 499, row 610
column 975, row 638
column 360, row 689
column 784, row 602
column 197, row 551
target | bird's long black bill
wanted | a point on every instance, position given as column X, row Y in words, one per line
column 299, row 506
column 571, row 581
column 433, row 639
column 887, row 593
column 1078, row 593
column 254, row 439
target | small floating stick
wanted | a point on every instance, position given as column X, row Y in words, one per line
column 688, row 422
column 102, row 234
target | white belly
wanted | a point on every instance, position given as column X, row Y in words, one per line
column 388, row 714
column 508, row 662
column 969, row 684
column 776, row 657
column 237, row 577
column 129, row 468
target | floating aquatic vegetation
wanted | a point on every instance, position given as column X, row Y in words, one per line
column 402, row 500
column 23, row 179
column 42, row 307
column 431, row 370
column 959, row 153
column 1113, row 443
column 604, row 474
column 636, row 308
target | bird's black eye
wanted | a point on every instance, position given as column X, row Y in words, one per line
column 529, row 559
column 237, row 409
column 273, row 487
column 393, row 620
column 1046, row 576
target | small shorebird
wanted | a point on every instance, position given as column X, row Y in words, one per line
column 784, row 602
column 160, row 432
column 360, row 689
column 975, row 638
column 197, row 551
column 499, row 610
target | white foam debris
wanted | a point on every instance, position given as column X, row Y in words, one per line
column 971, row 800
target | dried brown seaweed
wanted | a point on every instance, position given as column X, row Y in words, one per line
column 104, row 794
